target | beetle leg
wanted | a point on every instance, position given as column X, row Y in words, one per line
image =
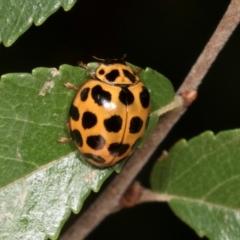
column 90, row 72
column 70, row 86
column 137, row 71
column 64, row 140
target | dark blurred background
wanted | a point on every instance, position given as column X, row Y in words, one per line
column 166, row 35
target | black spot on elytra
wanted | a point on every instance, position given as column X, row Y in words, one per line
column 111, row 76
column 126, row 97
column 96, row 142
column 77, row 137
column 100, row 96
column 118, row 148
column 113, row 124
column 74, row 113
column 95, row 158
column 84, row 94
column 101, row 72
column 89, row 120
column 144, row 97
column 129, row 75
column 135, row 125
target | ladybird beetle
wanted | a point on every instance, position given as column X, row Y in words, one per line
column 109, row 113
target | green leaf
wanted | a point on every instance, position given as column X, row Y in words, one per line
column 37, row 173
column 16, row 16
column 161, row 89
column 201, row 179
column 36, row 207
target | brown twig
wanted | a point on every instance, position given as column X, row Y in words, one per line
column 224, row 30
column 109, row 200
column 137, row 194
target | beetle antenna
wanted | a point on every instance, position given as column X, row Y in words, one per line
column 114, row 59
column 124, row 56
column 99, row 59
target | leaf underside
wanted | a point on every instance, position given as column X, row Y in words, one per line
column 42, row 181
column 201, row 179
column 16, row 16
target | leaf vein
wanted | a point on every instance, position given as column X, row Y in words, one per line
column 201, row 202
column 19, row 160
